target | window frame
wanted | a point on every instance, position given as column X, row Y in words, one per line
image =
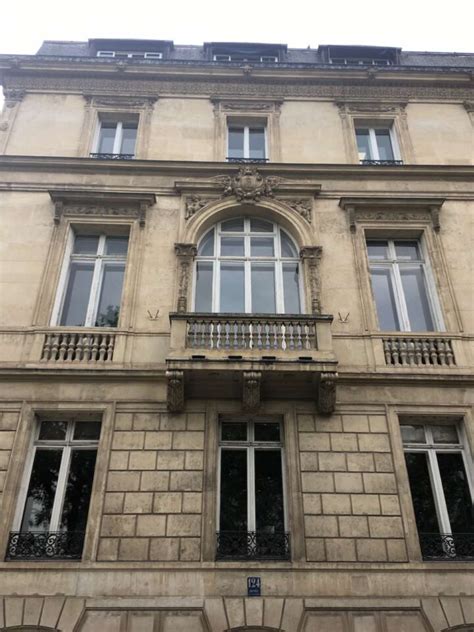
column 277, row 260
column 246, row 126
column 67, row 446
column 374, row 148
column 393, row 264
column 251, row 446
column 119, row 122
column 100, row 261
column 430, row 448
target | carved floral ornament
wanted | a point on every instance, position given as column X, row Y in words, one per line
column 101, row 204
column 392, row 210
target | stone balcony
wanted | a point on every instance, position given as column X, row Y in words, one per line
column 251, row 357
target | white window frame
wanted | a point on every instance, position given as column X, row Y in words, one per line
column 262, row 58
column 129, row 55
column 246, row 127
column 100, row 259
column 118, row 138
column 393, row 264
column 247, row 260
column 67, row 445
column 431, row 448
column 250, row 446
column 374, row 148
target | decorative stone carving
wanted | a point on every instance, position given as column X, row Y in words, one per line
column 373, row 106
column 101, row 203
column 195, row 203
column 185, row 254
column 248, row 185
column 120, row 101
column 175, row 395
column 327, row 393
column 224, row 105
column 13, row 96
column 251, row 391
column 302, row 206
column 311, row 257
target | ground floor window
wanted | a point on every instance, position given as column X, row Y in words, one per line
column 440, row 475
column 252, row 520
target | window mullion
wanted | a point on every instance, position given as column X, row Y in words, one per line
column 55, row 521
column 374, row 150
column 442, row 509
column 95, row 291
column 118, row 138
column 246, row 142
column 251, row 517
column 400, row 298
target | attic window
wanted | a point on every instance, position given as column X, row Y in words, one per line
column 121, row 54
column 361, row 55
column 272, row 59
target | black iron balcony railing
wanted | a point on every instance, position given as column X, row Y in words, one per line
column 102, row 156
column 46, row 545
column 447, row 546
column 250, row 161
column 252, row 545
column 381, row 163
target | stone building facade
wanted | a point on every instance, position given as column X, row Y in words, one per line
column 236, row 339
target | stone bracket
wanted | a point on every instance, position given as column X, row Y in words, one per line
column 326, row 401
column 251, row 391
column 185, row 254
column 175, row 395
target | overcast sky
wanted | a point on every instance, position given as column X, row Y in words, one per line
column 434, row 25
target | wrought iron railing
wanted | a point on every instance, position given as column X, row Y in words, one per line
column 382, row 163
column 103, row 156
column 253, row 545
column 418, row 351
column 78, row 347
column 250, row 161
column 283, row 333
column 46, row 545
column 447, row 546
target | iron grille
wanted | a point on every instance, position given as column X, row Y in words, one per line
column 101, row 156
column 250, row 161
column 253, row 545
column 31, row 545
column 447, row 546
column 381, row 163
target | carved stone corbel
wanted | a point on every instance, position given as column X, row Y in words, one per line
column 185, row 254
column 327, row 393
column 175, row 395
column 251, row 391
column 311, row 257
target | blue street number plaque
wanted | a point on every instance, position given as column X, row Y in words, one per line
column 254, row 586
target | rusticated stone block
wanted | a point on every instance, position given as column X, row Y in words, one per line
column 315, row 550
column 158, row 440
column 351, row 482
column 167, row 502
column 118, row 460
column 378, row 423
column 190, row 549
column 188, row 440
column 374, row 442
column 132, row 549
column 380, row 483
column 113, row 502
column 118, row 526
column 6, row 439
column 151, row 525
column 317, row 482
column 321, row 526
column 172, row 422
column 355, row 423
column 123, row 481
column 108, row 549
column 344, row 442
column 128, row 440
column 314, row 441
column 309, row 461
column 312, row 504
column 143, row 460
column 340, row 550
column 365, row 504
column 9, row 420
column 306, row 423
column 336, row 504
column 194, row 460
column 123, row 421
column 385, row 527
column 390, row 505
column 138, row 502
column 155, row 481
column 146, row 421
column 192, row 502
column 353, row 526
column 185, row 525
column 396, row 550
column 164, row 549
column 360, row 462
column 371, row 550
column 332, row 462
column 383, row 462
column 171, row 460
column 186, row 481
column 196, row 421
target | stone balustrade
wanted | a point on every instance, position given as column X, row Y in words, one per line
column 423, row 351
column 78, row 347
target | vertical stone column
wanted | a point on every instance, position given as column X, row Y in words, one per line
column 185, row 254
column 13, row 98
column 311, row 257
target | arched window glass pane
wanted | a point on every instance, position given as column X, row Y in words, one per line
column 247, row 265
column 206, row 247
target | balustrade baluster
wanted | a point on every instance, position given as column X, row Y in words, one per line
column 71, row 344
column 266, row 327
column 411, row 351
column 441, row 351
column 259, row 335
column 425, row 351
column 110, row 347
column 46, row 355
column 396, row 351
column 283, row 336
column 102, row 348
column 433, row 352
column 62, row 347
column 78, row 353
column 250, row 335
column 94, row 347
column 449, row 353
column 235, row 327
column 418, row 354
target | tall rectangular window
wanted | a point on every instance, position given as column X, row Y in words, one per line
column 52, row 515
column 400, row 285
column 116, row 139
column 246, row 143
column 440, row 474
column 376, row 144
column 252, row 507
column 93, row 290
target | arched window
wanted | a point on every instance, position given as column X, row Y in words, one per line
column 247, row 265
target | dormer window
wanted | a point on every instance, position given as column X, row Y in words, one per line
column 264, row 59
column 225, row 52
column 121, row 54
column 360, row 55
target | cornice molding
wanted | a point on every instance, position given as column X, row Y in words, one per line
column 392, row 209
column 101, row 203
